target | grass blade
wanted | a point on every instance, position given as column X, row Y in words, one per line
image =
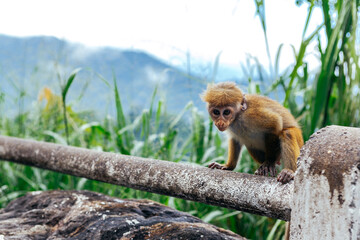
column 325, row 83
column 215, row 67
column 69, row 82
column 120, row 117
column 158, row 116
column 64, row 92
column 152, row 101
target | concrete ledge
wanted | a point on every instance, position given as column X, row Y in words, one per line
column 326, row 201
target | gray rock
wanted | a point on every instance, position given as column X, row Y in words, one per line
column 89, row 215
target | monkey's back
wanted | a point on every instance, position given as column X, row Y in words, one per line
column 261, row 102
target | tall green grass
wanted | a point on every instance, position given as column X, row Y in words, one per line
column 328, row 95
column 151, row 133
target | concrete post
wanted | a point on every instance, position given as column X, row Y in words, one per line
column 326, row 200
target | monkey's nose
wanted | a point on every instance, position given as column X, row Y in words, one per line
column 221, row 126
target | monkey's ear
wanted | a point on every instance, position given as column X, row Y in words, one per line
column 244, row 104
column 244, row 107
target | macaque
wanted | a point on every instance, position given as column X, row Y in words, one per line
column 267, row 129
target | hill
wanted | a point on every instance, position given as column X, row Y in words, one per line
column 29, row 64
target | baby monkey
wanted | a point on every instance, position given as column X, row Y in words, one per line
column 267, row 129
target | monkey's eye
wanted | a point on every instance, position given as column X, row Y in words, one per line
column 216, row 112
column 226, row 112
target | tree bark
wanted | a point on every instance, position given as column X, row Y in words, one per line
column 240, row 191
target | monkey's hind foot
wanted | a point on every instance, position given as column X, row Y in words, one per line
column 285, row 176
column 217, row 166
column 266, row 169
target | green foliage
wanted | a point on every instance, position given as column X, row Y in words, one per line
column 64, row 90
column 327, row 95
column 151, row 133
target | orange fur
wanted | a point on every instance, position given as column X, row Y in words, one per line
column 291, row 142
column 233, row 154
column 222, row 94
column 265, row 127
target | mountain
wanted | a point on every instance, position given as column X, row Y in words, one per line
column 29, row 64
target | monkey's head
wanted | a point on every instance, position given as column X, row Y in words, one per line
column 223, row 103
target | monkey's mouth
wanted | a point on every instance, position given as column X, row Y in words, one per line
column 221, row 129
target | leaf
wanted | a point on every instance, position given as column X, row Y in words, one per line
column 152, row 101
column 211, row 216
column 277, row 60
column 57, row 137
column 94, row 125
column 327, row 18
column 178, row 117
column 81, row 183
column 234, row 213
column 63, row 94
column 324, row 83
column 104, row 80
column 132, row 126
column 273, row 230
column 120, row 117
column 69, row 82
column 299, row 62
column 311, row 7
column 158, row 115
column 216, row 67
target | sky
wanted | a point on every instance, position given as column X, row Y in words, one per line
column 168, row 29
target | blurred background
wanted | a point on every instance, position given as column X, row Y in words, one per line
column 125, row 76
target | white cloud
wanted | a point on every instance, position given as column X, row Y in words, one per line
column 155, row 76
column 161, row 27
column 81, row 52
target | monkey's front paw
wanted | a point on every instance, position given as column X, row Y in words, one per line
column 285, row 176
column 217, row 166
column 265, row 169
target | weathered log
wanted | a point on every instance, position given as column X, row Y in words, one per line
column 244, row 192
column 88, row 215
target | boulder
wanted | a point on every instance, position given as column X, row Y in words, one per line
column 89, row 215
